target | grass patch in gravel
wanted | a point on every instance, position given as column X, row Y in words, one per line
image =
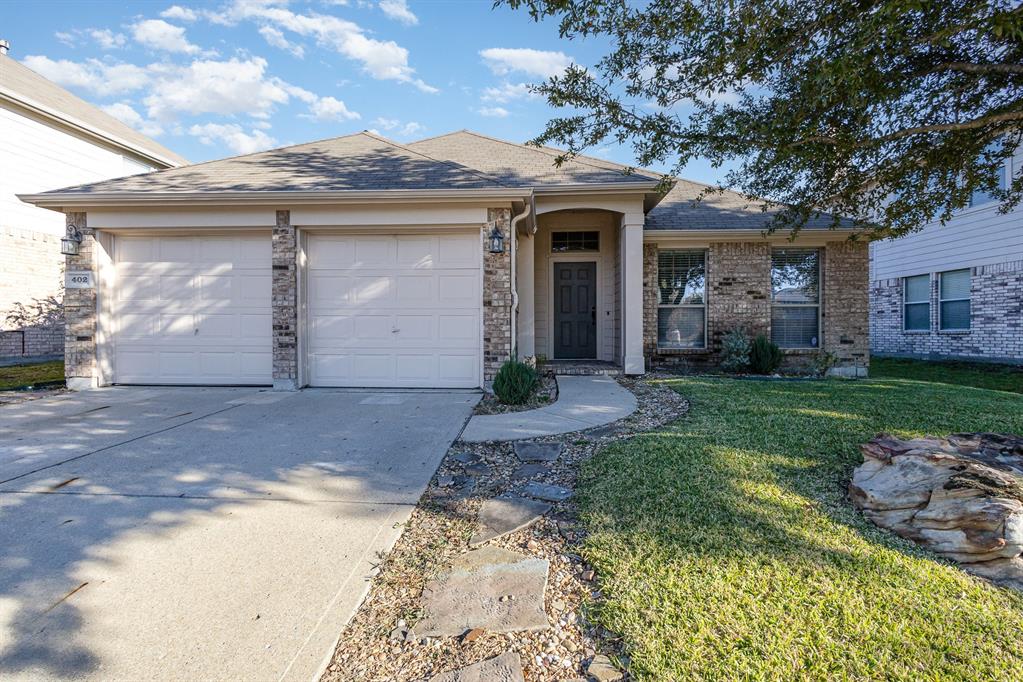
column 20, row 376
column 727, row 548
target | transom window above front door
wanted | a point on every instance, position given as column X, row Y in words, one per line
column 566, row 242
column 682, row 301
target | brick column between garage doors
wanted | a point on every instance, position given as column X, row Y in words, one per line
column 80, row 311
column 285, row 304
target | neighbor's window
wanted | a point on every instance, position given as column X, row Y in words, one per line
column 575, row 241
column 682, row 299
column 954, row 300
column 795, row 298
column 982, row 196
column 916, row 303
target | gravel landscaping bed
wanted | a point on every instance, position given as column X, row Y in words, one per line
column 545, row 393
column 380, row 643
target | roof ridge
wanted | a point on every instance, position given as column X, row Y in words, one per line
column 475, row 171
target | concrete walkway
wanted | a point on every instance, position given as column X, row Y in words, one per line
column 583, row 403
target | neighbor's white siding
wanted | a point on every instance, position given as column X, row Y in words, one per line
column 975, row 237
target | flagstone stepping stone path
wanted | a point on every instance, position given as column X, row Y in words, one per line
column 490, row 588
column 528, row 451
column 529, row 470
column 547, row 492
column 504, row 668
column 502, row 515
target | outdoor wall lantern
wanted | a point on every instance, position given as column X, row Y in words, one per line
column 496, row 240
column 69, row 244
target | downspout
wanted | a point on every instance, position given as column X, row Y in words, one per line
column 514, row 282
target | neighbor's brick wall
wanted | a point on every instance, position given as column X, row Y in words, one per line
column 996, row 318
column 285, row 302
column 846, row 321
column 497, row 297
column 80, row 308
column 739, row 295
column 31, row 274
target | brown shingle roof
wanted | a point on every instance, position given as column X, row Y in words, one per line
column 361, row 161
column 25, row 86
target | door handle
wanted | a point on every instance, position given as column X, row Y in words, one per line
column 593, row 313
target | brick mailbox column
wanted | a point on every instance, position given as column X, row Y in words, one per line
column 497, row 298
column 80, row 310
column 285, row 304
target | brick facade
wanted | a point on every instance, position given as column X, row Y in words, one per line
column 738, row 286
column 33, row 272
column 80, row 312
column 284, row 299
column 497, row 297
column 996, row 318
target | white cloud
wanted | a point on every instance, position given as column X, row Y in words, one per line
column 127, row 114
column 180, row 13
column 504, row 60
column 399, row 11
column 65, row 37
column 493, row 112
column 381, row 59
column 398, row 129
column 276, row 38
column 157, row 34
column 330, row 109
column 507, row 92
column 232, row 135
column 217, row 87
column 107, row 39
column 92, row 75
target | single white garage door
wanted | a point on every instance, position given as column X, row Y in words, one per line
column 192, row 310
column 394, row 310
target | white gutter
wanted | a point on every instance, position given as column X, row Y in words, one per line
column 81, row 126
column 514, row 283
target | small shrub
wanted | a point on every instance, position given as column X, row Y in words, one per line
column 823, row 362
column 514, row 382
column 765, row 356
column 735, row 348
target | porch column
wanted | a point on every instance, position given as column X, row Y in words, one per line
column 525, row 276
column 285, row 303
column 80, row 309
column 631, row 244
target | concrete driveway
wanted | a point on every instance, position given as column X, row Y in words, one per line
column 186, row 533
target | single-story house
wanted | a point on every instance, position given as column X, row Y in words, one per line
column 358, row 261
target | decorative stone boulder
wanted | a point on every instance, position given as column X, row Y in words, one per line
column 961, row 497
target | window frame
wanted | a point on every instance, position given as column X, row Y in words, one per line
column 706, row 265
column 1007, row 168
column 905, row 289
column 577, row 230
column 819, row 304
column 968, row 299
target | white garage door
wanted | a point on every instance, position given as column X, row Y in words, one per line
column 394, row 310
column 192, row 310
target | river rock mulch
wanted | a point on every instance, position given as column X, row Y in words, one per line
column 380, row 643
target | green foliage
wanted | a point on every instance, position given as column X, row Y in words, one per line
column 514, row 382
column 21, row 376
column 980, row 375
column 824, row 361
column 888, row 112
column 764, row 356
column 735, row 351
column 728, row 549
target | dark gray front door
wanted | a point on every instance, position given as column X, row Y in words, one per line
column 575, row 310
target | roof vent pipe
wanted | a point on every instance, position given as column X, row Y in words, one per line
column 5, row 47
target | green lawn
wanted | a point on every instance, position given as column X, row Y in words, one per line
column 727, row 548
column 981, row 375
column 20, row 376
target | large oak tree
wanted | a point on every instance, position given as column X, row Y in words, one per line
column 889, row 112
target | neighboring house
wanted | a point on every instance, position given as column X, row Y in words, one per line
column 358, row 261
column 49, row 138
column 954, row 290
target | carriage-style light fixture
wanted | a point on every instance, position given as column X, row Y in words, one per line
column 496, row 239
column 69, row 245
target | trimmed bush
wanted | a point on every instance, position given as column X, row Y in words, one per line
column 514, row 382
column 735, row 348
column 765, row 356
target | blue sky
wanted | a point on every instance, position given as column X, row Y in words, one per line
column 214, row 79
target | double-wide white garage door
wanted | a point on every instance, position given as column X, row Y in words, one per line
column 397, row 310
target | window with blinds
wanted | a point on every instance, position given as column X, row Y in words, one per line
column 954, row 300
column 916, row 303
column 682, row 298
column 795, row 298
